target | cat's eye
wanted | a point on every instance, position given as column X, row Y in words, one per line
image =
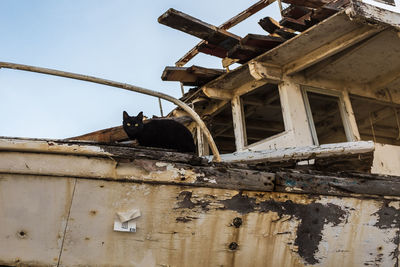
column 128, row 124
column 136, row 125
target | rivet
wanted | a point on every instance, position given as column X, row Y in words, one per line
column 233, row 246
column 237, row 222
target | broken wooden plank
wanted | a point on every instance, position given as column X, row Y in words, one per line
column 225, row 26
column 308, row 3
column 296, row 12
column 213, row 50
column 298, row 25
column 262, row 41
column 244, row 52
column 192, row 76
column 109, row 135
column 188, row 24
column 269, row 24
column 300, row 153
column 285, row 33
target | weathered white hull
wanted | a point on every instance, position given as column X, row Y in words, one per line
column 59, row 209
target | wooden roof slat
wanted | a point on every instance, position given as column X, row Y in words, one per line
column 227, row 25
column 269, row 24
column 298, row 25
column 253, row 45
column 273, row 27
column 244, row 52
column 308, row 3
column 193, row 26
column 212, row 50
column 262, row 41
column 296, row 12
column 192, row 76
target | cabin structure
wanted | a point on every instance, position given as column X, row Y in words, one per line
column 327, row 73
column 306, row 120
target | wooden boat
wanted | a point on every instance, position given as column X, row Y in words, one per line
column 308, row 172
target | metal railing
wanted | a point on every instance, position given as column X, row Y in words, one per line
column 129, row 87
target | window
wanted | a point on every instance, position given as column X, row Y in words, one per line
column 262, row 113
column 221, row 128
column 327, row 116
column 376, row 120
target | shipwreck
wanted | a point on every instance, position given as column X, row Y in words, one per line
column 298, row 140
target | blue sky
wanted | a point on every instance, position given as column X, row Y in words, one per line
column 119, row 40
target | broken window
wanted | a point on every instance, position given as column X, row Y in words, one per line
column 377, row 121
column 221, row 128
column 262, row 113
column 326, row 116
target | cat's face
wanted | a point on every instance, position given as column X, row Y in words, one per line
column 132, row 125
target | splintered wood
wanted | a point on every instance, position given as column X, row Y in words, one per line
column 218, row 42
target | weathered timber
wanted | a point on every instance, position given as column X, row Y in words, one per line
column 225, row 26
column 296, row 12
column 322, row 13
column 86, row 148
column 294, row 24
column 261, row 41
column 192, row 76
column 253, row 45
column 308, row 3
column 285, row 33
column 127, row 165
column 213, row 50
column 188, row 24
column 301, row 153
column 331, row 184
column 109, row 135
column 269, row 24
column 244, row 52
column 356, row 162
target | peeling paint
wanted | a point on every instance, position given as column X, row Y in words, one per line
column 389, row 218
column 313, row 217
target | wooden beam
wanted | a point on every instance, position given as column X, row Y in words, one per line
column 262, row 41
column 239, row 126
column 188, row 24
column 330, row 49
column 192, row 76
column 270, row 72
column 336, row 184
column 269, row 25
column 109, row 135
column 225, row 26
column 294, row 24
column 308, row 3
column 301, row 153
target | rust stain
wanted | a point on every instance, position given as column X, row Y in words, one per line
column 186, row 202
column 313, row 217
column 93, row 212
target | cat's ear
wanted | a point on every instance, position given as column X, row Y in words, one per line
column 125, row 115
column 140, row 116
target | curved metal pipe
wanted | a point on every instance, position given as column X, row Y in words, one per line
column 129, row 87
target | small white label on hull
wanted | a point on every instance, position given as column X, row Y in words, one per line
column 129, row 226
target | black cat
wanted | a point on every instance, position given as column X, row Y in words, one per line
column 162, row 133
